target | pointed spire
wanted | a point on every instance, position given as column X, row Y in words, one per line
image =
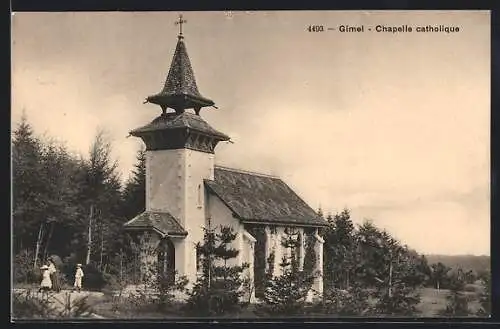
column 180, row 91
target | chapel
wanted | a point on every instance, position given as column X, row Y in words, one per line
column 186, row 190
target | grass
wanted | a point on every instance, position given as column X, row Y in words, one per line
column 432, row 301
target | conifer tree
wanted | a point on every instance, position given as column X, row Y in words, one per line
column 60, row 196
column 100, row 199
column 27, row 187
column 339, row 250
column 218, row 289
column 287, row 292
column 385, row 265
column 134, row 193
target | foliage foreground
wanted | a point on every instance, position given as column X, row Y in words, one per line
column 31, row 304
column 341, row 303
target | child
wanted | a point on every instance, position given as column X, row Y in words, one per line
column 46, row 283
column 78, row 277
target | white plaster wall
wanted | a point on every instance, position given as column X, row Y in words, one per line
column 198, row 166
column 165, row 181
column 220, row 215
column 174, row 183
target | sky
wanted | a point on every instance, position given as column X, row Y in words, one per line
column 393, row 126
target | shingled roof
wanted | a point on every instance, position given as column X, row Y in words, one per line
column 180, row 90
column 184, row 120
column 163, row 222
column 261, row 198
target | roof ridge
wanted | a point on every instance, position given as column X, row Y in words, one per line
column 243, row 171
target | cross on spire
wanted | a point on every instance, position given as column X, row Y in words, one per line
column 180, row 22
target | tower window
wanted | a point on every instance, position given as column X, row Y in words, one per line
column 199, row 203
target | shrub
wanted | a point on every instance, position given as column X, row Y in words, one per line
column 344, row 302
column 27, row 305
column 23, row 268
column 167, row 289
column 458, row 305
column 485, row 296
column 30, row 304
column 33, row 276
column 402, row 301
column 458, row 302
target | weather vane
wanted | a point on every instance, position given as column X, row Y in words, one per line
column 180, row 22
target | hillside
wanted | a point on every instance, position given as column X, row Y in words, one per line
column 466, row 262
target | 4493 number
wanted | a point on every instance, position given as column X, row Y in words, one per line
column 315, row 28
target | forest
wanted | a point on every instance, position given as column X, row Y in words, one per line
column 72, row 207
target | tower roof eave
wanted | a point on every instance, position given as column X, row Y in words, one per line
column 171, row 121
column 179, row 101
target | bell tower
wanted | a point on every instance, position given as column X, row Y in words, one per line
column 180, row 148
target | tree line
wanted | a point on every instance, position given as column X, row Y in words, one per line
column 364, row 260
column 69, row 205
column 74, row 206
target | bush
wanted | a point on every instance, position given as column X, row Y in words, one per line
column 458, row 305
column 33, row 276
column 485, row 296
column 23, row 268
column 218, row 299
column 349, row 302
column 93, row 278
column 401, row 300
column 26, row 305
column 167, row 289
column 458, row 301
column 33, row 305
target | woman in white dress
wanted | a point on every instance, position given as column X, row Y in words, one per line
column 46, row 283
